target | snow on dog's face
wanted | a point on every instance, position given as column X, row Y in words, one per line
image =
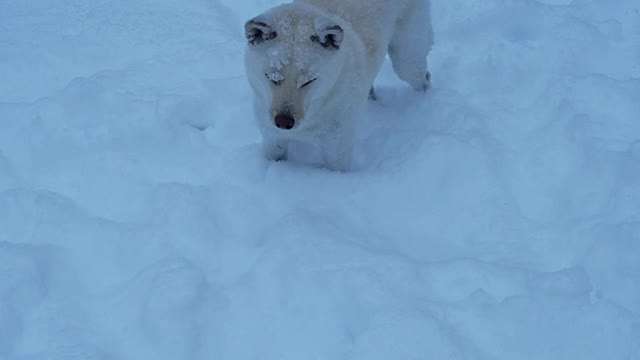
column 292, row 63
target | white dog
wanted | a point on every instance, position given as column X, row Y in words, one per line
column 312, row 64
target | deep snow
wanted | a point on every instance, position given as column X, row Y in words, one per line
column 498, row 217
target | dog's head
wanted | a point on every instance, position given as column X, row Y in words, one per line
column 292, row 61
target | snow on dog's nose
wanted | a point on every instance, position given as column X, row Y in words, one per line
column 284, row 121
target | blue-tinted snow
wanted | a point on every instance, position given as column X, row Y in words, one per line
column 496, row 218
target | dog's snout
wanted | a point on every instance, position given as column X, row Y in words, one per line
column 284, row 121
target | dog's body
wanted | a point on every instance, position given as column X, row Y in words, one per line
column 312, row 64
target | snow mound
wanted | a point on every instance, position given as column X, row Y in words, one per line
column 497, row 217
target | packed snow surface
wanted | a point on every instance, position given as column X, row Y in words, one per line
column 496, row 217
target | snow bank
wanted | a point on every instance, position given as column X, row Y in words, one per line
column 496, row 218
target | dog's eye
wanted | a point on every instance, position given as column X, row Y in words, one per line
column 274, row 82
column 308, row 82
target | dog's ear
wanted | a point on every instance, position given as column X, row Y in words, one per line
column 330, row 37
column 258, row 30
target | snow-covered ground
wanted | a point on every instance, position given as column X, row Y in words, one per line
column 498, row 217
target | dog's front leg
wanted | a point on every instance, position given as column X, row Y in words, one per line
column 338, row 152
column 275, row 149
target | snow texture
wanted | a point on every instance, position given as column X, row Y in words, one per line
column 497, row 217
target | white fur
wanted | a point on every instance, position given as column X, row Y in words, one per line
column 344, row 62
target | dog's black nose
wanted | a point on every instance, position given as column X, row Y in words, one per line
column 284, row 121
